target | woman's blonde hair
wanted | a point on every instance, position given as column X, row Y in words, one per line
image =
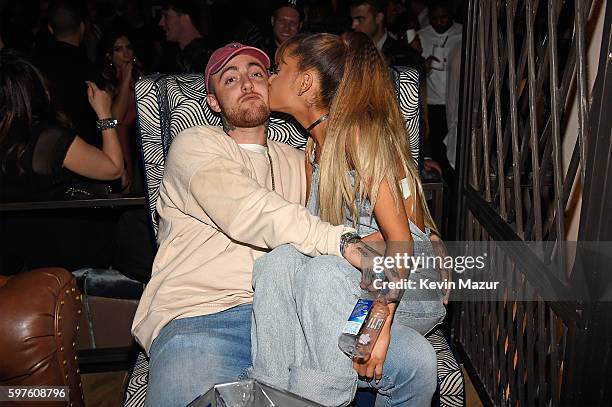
column 365, row 132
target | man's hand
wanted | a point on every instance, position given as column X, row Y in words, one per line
column 373, row 366
column 416, row 45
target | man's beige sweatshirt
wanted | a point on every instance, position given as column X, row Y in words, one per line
column 217, row 215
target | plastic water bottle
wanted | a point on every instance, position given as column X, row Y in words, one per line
column 364, row 325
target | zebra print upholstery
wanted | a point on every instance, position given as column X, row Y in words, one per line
column 166, row 105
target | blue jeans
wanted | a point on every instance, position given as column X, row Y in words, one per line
column 299, row 309
column 190, row 355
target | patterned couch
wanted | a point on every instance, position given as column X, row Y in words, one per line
column 166, row 105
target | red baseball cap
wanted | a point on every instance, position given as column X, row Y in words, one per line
column 221, row 57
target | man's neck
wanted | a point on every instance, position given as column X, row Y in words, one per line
column 447, row 29
column 378, row 36
column 248, row 135
column 190, row 34
column 74, row 40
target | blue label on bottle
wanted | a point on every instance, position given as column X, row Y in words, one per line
column 358, row 316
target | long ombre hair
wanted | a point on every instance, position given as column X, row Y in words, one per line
column 365, row 131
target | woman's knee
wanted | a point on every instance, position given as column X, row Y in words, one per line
column 278, row 264
column 324, row 272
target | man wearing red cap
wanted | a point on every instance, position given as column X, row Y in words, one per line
column 222, row 204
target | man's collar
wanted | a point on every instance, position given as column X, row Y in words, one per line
column 256, row 148
column 382, row 40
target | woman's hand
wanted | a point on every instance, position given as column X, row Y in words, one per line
column 445, row 274
column 99, row 100
column 124, row 72
column 372, row 367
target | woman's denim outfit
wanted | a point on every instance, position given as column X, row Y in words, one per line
column 299, row 310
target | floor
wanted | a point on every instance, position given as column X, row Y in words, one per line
column 105, row 389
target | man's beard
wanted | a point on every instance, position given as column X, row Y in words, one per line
column 246, row 117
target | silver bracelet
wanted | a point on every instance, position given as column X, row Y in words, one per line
column 347, row 238
column 105, row 124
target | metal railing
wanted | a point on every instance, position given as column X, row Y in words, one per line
column 523, row 65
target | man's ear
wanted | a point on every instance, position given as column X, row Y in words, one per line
column 272, row 21
column 213, row 103
column 380, row 19
column 185, row 20
column 300, row 27
column 82, row 28
column 50, row 29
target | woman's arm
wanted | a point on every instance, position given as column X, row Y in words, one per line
column 395, row 230
column 89, row 161
column 123, row 97
column 394, row 226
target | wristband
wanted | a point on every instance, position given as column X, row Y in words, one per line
column 105, row 124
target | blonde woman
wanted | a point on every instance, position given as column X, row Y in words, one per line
column 361, row 174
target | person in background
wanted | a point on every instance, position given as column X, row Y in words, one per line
column 67, row 68
column 394, row 12
column 133, row 250
column 421, row 11
column 37, row 145
column 453, row 81
column 42, row 158
column 286, row 20
column 368, row 16
column 93, row 31
column 144, row 33
column 120, row 70
column 182, row 21
column 436, row 40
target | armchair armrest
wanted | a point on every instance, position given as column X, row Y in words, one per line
column 39, row 311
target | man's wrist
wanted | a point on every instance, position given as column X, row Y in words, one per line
column 348, row 238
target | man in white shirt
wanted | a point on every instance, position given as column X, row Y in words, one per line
column 437, row 40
